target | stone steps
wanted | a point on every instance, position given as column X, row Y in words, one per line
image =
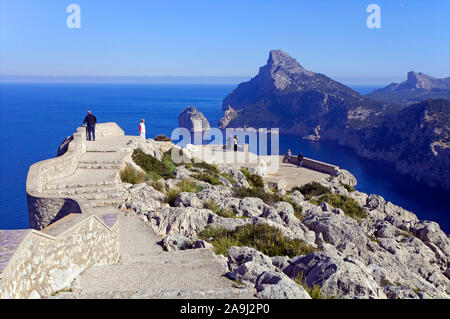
column 61, row 186
column 83, row 190
column 99, row 166
column 106, row 202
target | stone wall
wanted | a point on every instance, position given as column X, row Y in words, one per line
column 43, row 264
column 44, row 209
column 316, row 165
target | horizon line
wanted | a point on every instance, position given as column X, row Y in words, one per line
column 169, row 79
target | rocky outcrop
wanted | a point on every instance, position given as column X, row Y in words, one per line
column 388, row 254
column 417, row 87
column 193, row 119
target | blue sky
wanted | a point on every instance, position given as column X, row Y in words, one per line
column 224, row 38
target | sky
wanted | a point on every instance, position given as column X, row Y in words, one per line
column 224, row 39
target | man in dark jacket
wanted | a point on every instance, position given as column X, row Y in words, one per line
column 300, row 159
column 91, row 120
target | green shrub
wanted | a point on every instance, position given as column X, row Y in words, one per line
column 187, row 185
column 132, row 176
column 222, row 212
column 312, row 189
column 229, row 178
column 254, row 180
column 162, row 138
column 350, row 207
column 207, row 177
column 267, row 239
column 158, row 186
column 349, row 188
column 153, row 166
column 212, row 168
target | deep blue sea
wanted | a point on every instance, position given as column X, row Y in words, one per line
column 35, row 119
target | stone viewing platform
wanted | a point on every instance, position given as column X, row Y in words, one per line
column 95, row 234
column 78, row 194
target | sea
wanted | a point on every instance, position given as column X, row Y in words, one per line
column 36, row 118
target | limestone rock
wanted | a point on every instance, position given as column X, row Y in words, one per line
column 193, row 120
column 186, row 199
column 345, row 177
column 344, row 278
column 276, row 285
column 149, row 147
column 176, row 242
column 398, row 292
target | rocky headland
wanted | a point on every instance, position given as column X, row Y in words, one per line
column 300, row 102
column 416, row 88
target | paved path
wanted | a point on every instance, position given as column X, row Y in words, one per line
column 146, row 271
column 294, row 176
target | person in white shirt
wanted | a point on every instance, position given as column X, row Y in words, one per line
column 142, row 128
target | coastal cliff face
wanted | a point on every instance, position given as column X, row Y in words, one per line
column 304, row 103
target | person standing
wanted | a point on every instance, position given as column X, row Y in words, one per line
column 142, row 129
column 300, row 159
column 287, row 157
column 91, row 121
column 235, row 139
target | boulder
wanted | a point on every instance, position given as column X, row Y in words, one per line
column 238, row 256
column 342, row 278
column 337, row 229
column 345, row 177
column 248, row 271
column 149, row 147
column 186, row 199
column 176, row 242
column 276, row 285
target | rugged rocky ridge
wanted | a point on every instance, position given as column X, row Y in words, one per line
column 303, row 103
column 286, row 95
column 389, row 253
column 417, row 87
column 193, row 119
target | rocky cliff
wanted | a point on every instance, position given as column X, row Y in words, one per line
column 417, row 87
column 193, row 119
column 304, row 103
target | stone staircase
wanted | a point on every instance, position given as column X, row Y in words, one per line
column 146, row 271
column 95, row 180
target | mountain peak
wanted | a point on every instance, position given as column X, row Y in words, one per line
column 281, row 58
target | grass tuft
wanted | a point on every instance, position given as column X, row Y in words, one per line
column 267, row 239
column 132, row 176
column 254, row 180
column 350, row 207
column 312, row 190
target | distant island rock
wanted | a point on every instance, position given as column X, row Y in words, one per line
column 301, row 102
column 417, row 87
column 193, row 120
